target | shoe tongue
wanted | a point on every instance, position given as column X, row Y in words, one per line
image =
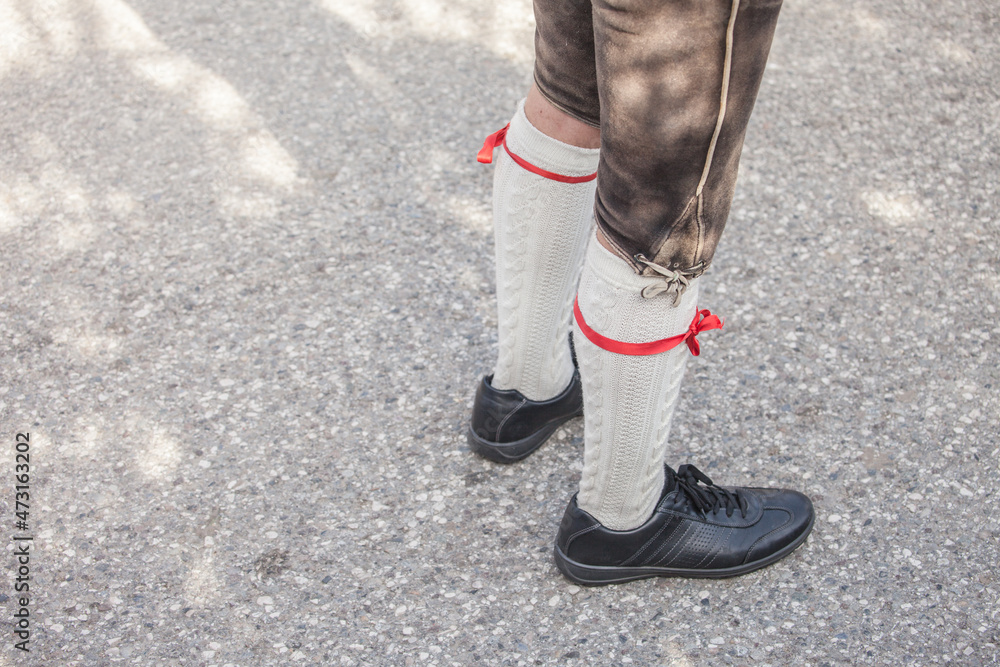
column 669, row 480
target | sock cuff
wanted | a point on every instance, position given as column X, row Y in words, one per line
column 611, row 302
column 531, row 144
column 614, row 270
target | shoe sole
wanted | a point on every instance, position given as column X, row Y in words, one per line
column 596, row 575
column 510, row 452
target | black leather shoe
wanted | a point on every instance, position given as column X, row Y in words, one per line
column 507, row 427
column 697, row 530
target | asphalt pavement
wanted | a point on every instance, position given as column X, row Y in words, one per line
column 246, row 294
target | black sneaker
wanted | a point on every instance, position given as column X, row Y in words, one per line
column 698, row 529
column 507, row 427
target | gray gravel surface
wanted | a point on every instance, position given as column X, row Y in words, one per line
column 246, row 294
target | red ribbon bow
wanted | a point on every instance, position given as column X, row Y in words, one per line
column 703, row 320
column 499, row 138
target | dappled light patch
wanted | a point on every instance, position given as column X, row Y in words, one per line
column 121, row 29
column 88, row 342
column 893, row 209
column 871, row 25
column 500, row 26
column 473, row 213
column 201, row 584
column 157, row 453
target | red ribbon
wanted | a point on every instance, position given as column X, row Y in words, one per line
column 499, row 138
column 703, row 320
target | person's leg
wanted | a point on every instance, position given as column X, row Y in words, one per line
column 677, row 80
column 543, row 199
column 541, row 225
column 557, row 124
column 629, row 400
column 676, row 88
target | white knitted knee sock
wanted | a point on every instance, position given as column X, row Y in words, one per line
column 628, row 401
column 541, row 227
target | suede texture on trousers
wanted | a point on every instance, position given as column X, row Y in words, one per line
column 652, row 74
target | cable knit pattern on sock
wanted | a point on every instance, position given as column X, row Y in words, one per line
column 541, row 229
column 628, row 401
